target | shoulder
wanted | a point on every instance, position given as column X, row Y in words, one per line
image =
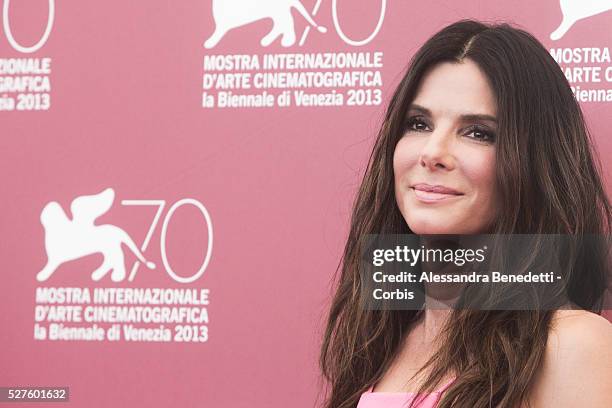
column 577, row 365
column 578, row 334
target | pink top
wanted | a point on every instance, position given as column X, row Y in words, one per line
column 371, row 399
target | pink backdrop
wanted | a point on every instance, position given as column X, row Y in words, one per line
column 126, row 112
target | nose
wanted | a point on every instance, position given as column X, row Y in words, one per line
column 437, row 153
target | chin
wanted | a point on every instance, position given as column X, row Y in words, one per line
column 433, row 228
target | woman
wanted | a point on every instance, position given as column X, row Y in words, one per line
column 482, row 135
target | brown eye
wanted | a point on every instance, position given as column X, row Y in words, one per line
column 481, row 134
column 415, row 124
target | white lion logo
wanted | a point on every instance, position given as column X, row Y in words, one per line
column 574, row 10
column 230, row 14
column 66, row 239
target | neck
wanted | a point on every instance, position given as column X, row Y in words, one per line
column 433, row 320
column 439, row 302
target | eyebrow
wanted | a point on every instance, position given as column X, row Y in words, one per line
column 465, row 117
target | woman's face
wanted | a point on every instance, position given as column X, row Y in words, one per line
column 444, row 164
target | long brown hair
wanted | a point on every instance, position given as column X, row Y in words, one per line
column 548, row 181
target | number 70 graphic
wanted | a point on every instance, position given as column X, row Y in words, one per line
column 161, row 204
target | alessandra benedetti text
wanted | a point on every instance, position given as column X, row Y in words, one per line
column 470, row 277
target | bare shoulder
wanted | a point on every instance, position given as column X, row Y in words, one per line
column 578, row 333
column 577, row 365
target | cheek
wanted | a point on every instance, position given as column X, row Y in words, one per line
column 405, row 161
column 479, row 168
column 405, row 156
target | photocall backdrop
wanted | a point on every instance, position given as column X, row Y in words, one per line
column 189, row 231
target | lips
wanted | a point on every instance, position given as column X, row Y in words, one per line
column 435, row 189
column 432, row 193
